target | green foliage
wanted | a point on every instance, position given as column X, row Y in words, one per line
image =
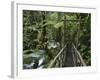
column 59, row 24
column 48, row 31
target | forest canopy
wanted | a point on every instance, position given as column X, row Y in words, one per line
column 56, row 39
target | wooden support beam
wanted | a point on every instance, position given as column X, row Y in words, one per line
column 73, row 20
column 79, row 55
column 53, row 61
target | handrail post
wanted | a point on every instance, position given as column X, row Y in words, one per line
column 79, row 55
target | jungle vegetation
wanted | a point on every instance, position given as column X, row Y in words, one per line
column 56, row 39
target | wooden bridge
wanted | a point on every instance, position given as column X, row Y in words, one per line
column 68, row 56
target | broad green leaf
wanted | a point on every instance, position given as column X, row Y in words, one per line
column 59, row 24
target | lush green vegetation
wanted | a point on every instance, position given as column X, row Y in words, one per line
column 46, row 33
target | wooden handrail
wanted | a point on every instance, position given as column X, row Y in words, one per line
column 76, row 51
column 79, row 55
column 53, row 61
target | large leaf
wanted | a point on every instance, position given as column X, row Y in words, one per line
column 49, row 23
column 52, row 16
column 59, row 24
